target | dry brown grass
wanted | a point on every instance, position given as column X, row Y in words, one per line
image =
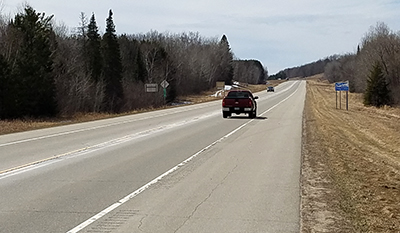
column 14, row 126
column 351, row 160
column 351, row 164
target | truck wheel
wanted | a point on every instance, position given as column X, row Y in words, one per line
column 252, row 114
column 224, row 114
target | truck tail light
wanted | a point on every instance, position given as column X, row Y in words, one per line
column 223, row 103
column 250, row 103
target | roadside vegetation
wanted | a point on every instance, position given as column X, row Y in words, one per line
column 49, row 70
column 51, row 76
column 351, row 164
column 19, row 125
column 374, row 69
column 302, row 71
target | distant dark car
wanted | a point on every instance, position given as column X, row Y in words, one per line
column 239, row 101
column 270, row 89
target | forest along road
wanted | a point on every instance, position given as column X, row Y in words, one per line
column 183, row 169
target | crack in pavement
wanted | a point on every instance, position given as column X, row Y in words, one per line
column 205, row 199
column 141, row 223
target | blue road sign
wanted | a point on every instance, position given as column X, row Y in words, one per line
column 342, row 86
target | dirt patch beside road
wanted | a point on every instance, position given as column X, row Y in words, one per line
column 351, row 164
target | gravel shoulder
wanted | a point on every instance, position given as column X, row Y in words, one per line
column 351, row 164
column 350, row 160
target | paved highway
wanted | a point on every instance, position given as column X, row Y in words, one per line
column 184, row 169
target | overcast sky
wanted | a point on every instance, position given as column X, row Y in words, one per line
column 280, row 34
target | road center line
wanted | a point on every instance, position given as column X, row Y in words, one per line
column 29, row 166
column 154, row 181
column 86, row 129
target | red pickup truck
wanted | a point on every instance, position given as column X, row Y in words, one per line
column 239, row 101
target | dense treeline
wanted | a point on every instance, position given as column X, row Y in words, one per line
column 374, row 69
column 249, row 71
column 46, row 71
column 303, row 71
column 27, row 85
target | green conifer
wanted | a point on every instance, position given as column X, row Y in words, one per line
column 377, row 92
column 6, row 102
column 227, row 74
column 93, row 50
column 112, row 68
column 32, row 73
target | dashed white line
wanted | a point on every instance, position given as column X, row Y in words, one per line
column 154, row 181
column 81, row 130
column 33, row 165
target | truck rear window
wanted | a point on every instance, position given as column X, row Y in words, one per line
column 238, row 95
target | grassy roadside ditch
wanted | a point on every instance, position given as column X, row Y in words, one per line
column 351, row 159
column 351, row 164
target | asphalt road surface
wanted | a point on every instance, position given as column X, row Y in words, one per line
column 183, row 169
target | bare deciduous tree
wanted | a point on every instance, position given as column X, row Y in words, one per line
column 188, row 61
column 380, row 46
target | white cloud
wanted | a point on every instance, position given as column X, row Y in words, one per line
column 280, row 34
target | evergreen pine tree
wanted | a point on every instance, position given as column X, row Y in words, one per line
column 32, row 73
column 377, row 92
column 6, row 102
column 112, row 68
column 93, row 50
column 140, row 67
column 228, row 60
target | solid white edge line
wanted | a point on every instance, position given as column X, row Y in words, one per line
column 88, row 129
column 280, row 102
column 15, row 170
column 146, row 186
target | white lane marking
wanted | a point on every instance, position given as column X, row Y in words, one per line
column 99, row 127
column 90, row 128
column 278, row 92
column 287, row 88
column 40, row 163
column 146, row 186
column 281, row 101
column 26, row 169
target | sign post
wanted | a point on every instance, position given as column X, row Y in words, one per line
column 221, row 86
column 164, row 84
column 342, row 86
